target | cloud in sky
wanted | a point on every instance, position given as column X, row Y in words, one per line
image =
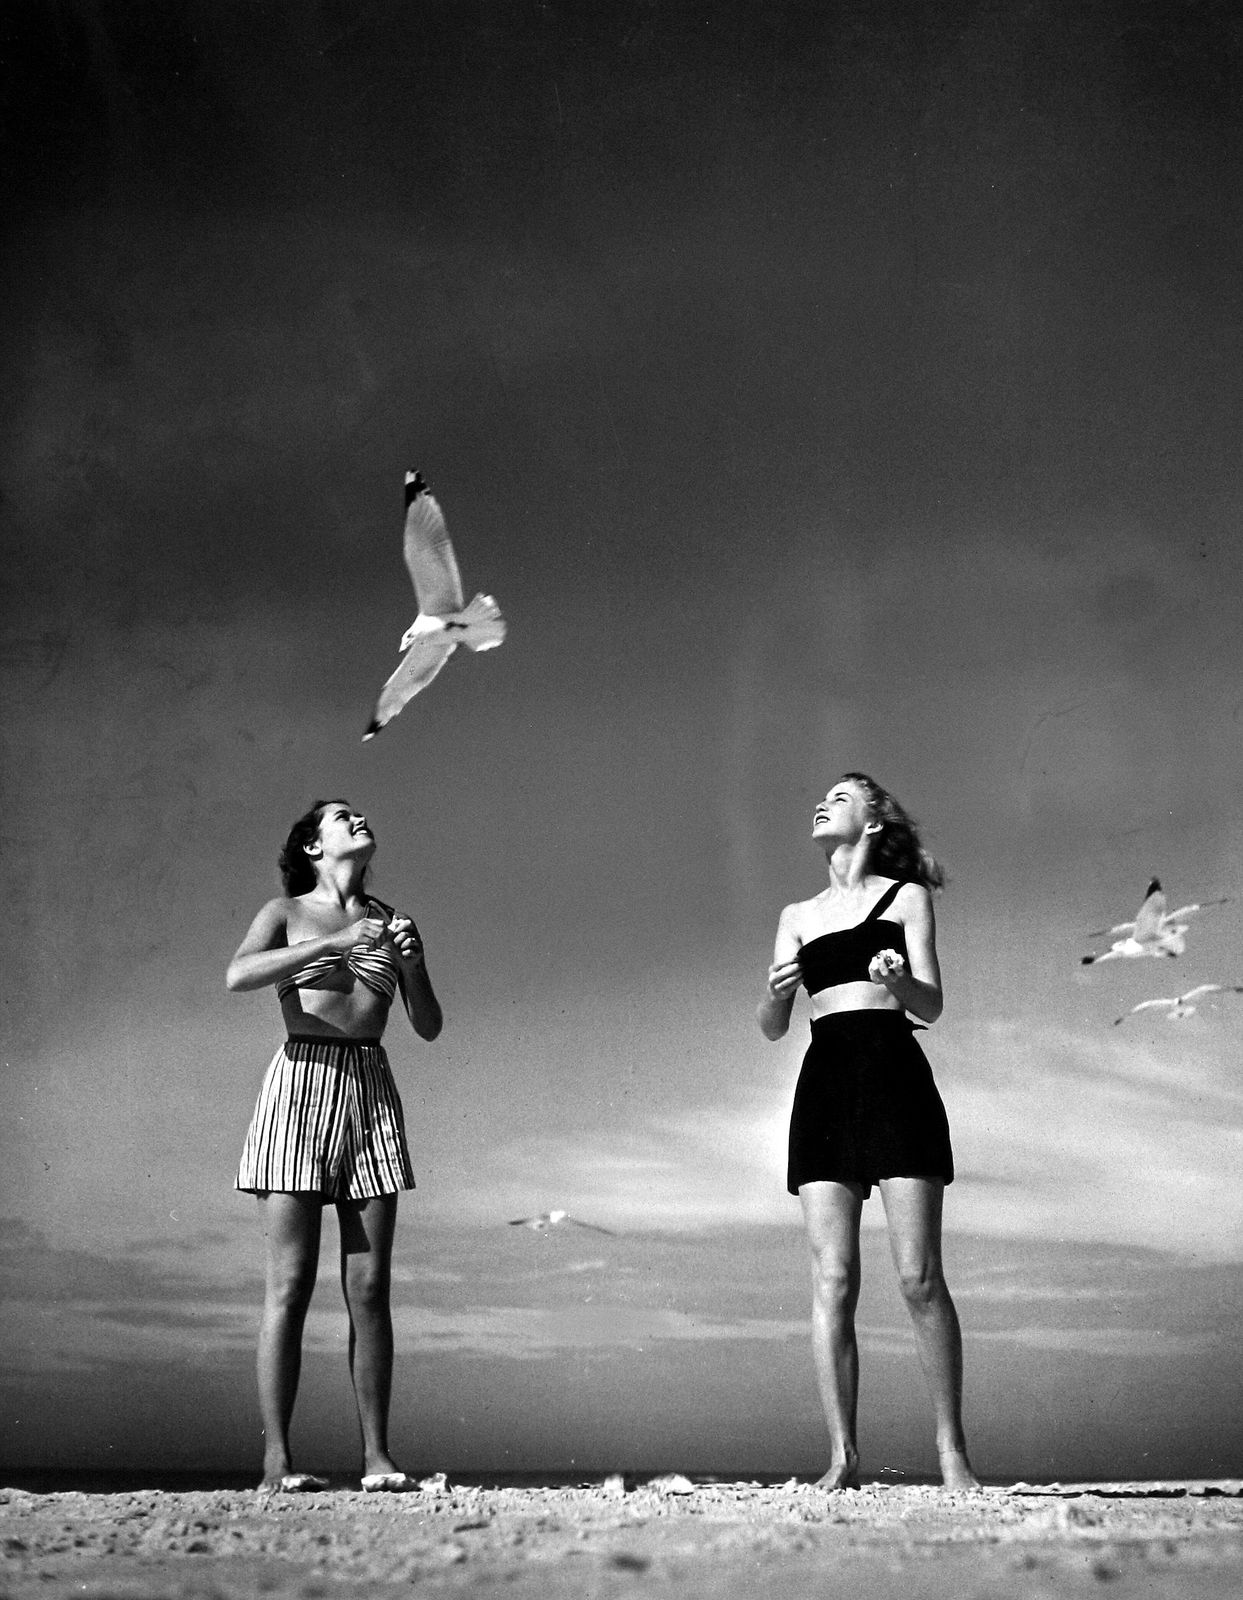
column 1062, row 1130
column 470, row 1290
column 1109, row 1138
column 485, row 1319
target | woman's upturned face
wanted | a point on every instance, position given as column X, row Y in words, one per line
column 344, row 834
column 842, row 814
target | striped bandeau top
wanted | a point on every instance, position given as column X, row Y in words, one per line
column 373, row 965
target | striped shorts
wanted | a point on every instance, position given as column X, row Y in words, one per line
column 328, row 1121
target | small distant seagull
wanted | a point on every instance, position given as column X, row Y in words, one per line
column 551, row 1219
column 1155, row 931
column 442, row 624
column 1182, row 1005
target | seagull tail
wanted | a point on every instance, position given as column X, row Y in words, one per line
column 373, row 727
column 482, row 624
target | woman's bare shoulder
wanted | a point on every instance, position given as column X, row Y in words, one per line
column 276, row 913
column 798, row 914
column 913, row 901
column 268, row 929
column 914, row 893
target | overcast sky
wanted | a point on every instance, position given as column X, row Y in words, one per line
column 816, row 388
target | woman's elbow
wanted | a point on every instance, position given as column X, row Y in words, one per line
column 428, row 1028
column 770, row 1028
column 932, row 1007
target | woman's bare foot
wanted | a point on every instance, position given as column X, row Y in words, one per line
column 276, row 1467
column 841, row 1474
column 293, row 1483
column 956, row 1470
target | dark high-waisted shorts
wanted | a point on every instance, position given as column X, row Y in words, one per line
column 866, row 1106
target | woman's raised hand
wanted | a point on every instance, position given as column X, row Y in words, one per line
column 887, row 967
column 784, row 978
column 405, row 937
column 367, row 930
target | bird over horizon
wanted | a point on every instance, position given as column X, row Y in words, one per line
column 1181, row 1005
column 552, row 1219
column 442, row 622
column 1155, row 931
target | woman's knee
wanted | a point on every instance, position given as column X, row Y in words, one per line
column 290, row 1285
column 835, row 1278
column 921, row 1283
column 367, row 1281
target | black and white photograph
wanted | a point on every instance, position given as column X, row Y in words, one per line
column 621, row 712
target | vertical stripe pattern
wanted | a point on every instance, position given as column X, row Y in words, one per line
column 328, row 1121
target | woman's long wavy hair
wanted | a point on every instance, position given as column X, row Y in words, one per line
column 297, row 870
column 896, row 850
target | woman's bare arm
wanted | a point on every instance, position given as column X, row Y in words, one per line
column 422, row 1006
column 265, row 956
column 916, row 982
column 784, row 977
column 418, row 996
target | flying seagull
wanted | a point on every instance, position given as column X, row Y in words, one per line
column 1182, row 1005
column 550, row 1219
column 1155, row 931
column 442, row 624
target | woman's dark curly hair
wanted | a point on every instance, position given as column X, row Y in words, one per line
column 896, row 849
column 297, row 872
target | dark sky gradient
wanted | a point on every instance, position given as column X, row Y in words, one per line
column 816, row 387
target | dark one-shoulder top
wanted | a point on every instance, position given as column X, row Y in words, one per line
column 844, row 955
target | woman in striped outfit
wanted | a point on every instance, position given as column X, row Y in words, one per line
column 328, row 1124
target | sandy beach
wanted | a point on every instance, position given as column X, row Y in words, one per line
column 665, row 1536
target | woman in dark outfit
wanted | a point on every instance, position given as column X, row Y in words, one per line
column 866, row 1110
column 328, row 1127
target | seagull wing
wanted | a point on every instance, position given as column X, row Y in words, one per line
column 1200, row 989
column 417, row 668
column 1146, row 1005
column 1149, row 916
column 594, row 1226
column 429, row 555
column 1196, row 905
column 1154, row 888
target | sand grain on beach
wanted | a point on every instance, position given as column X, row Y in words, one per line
column 719, row 1540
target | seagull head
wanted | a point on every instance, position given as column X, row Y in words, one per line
column 422, row 624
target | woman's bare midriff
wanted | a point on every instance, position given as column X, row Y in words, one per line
column 355, row 1012
column 853, row 997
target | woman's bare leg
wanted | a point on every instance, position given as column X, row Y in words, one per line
column 831, row 1212
column 367, row 1228
column 913, row 1212
column 291, row 1224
